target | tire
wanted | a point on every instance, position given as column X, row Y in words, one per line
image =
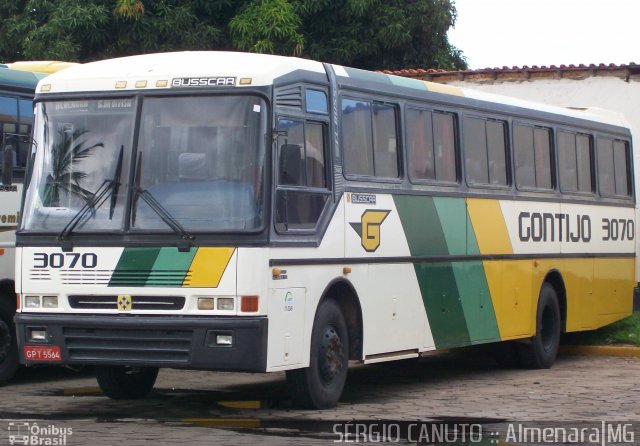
column 320, row 385
column 126, row 383
column 8, row 343
column 541, row 352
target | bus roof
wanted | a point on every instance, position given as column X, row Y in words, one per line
column 19, row 80
column 158, row 70
column 41, row 66
column 215, row 68
column 362, row 77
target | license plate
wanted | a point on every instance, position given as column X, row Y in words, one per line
column 42, row 353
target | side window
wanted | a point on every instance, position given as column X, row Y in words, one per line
column 316, row 101
column 370, row 138
column 575, row 160
column 621, row 164
column 613, row 167
column 9, row 126
column 485, row 151
column 532, row 151
column 25, row 108
column 301, row 192
column 431, row 145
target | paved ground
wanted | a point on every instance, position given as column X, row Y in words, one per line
column 189, row 407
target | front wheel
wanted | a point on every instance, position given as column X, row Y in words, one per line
column 126, row 383
column 541, row 352
column 8, row 345
column 320, row 385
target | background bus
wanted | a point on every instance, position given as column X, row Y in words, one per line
column 17, row 87
column 249, row 212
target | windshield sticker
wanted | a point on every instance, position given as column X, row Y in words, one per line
column 101, row 106
column 203, row 82
column 115, row 104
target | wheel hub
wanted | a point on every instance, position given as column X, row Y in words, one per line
column 331, row 356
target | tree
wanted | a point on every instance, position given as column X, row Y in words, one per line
column 371, row 34
column 377, row 34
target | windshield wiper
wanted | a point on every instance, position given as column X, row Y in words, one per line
column 90, row 205
column 95, row 200
column 116, row 183
column 187, row 238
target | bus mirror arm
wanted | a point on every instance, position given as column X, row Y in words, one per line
column 8, row 154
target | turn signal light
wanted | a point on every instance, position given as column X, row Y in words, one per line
column 249, row 304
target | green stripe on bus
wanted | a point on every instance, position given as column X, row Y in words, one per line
column 170, row 267
column 425, row 236
column 421, row 225
column 476, row 302
column 452, row 216
column 134, row 266
column 367, row 76
column 442, row 302
column 408, row 82
column 470, row 277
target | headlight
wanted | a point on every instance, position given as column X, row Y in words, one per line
column 50, row 302
column 32, row 301
column 206, row 303
column 226, row 303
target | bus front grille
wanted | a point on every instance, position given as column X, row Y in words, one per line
column 167, row 303
column 128, row 345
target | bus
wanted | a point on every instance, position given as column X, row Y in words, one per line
column 259, row 213
column 18, row 82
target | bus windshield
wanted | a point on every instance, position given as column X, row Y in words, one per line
column 201, row 158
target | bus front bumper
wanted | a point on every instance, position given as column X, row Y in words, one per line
column 200, row 343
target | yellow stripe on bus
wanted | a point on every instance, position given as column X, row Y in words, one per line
column 442, row 88
column 207, row 267
column 510, row 282
column 489, row 226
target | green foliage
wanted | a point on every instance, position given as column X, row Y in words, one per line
column 376, row 34
column 626, row 331
column 268, row 26
column 371, row 34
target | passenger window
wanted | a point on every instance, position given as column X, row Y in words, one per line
column 431, row 144
column 532, row 150
column 370, row 138
column 575, row 160
column 613, row 167
column 485, row 151
column 621, row 164
column 302, row 191
column 9, row 128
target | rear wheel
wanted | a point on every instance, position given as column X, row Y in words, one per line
column 126, row 383
column 320, row 385
column 541, row 352
column 8, row 344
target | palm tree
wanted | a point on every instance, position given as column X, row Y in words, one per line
column 67, row 150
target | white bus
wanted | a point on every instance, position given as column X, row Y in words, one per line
column 246, row 212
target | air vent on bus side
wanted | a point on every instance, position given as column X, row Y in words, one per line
column 289, row 96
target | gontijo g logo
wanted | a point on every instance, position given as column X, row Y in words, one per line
column 369, row 228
